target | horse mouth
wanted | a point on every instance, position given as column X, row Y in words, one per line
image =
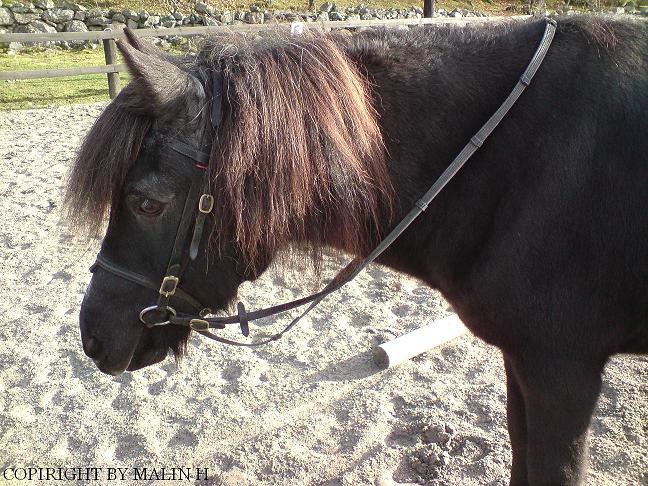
column 141, row 360
column 147, row 358
column 108, row 369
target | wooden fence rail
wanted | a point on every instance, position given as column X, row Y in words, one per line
column 108, row 38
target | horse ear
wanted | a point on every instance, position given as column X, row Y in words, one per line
column 158, row 87
column 139, row 44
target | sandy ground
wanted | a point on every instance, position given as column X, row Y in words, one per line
column 310, row 409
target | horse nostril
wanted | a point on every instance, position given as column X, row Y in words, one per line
column 92, row 347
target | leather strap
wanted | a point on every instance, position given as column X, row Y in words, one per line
column 102, row 262
column 190, row 152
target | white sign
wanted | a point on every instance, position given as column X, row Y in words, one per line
column 297, row 28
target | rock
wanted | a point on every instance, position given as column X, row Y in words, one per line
column 80, row 15
column 178, row 16
column 327, row 7
column 151, row 21
column 66, row 4
column 132, row 24
column 353, row 17
column 253, row 17
column 116, row 26
column 118, row 17
column 27, row 29
column 94, row 13
column 15, row 47
column 18, row 7
column 208, row 20
column 131, row 14
column 203, row 8
column 44, row 4
column 6, row 16
column 225, row 17
column 58, row 15
column 289, row 17
column 455, row 13
column 336, row 16
column 323, row 17
column 94, row 21
column 25, row 18
column 167, row 21
column 40, row 26
column 75, row 26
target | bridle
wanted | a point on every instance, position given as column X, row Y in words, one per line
column 200, row 202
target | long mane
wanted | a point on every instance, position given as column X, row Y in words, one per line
column 299, row 156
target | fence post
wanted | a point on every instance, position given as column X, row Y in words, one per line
column 428, row 8
column 110, row 52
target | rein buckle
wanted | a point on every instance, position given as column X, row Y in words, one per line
column 206, row 203
column 169, row 285
column 199, row 325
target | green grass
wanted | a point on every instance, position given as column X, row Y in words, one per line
column 37, row 93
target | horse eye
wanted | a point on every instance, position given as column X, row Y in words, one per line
column 150, row 207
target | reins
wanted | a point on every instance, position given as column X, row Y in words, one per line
column 200, row 203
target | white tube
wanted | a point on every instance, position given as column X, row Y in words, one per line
column 412, row 344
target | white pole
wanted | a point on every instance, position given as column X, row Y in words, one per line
column 412, row 344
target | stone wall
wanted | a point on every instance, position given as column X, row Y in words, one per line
column 67, row 16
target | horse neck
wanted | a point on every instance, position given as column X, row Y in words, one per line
column 432, row 98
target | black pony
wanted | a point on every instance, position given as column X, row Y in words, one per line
column 540, row 243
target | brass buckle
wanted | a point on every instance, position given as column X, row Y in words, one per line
column 169, row 285
column 206, row 203
column 199, row 325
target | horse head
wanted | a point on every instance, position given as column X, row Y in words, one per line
column 295, row 158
